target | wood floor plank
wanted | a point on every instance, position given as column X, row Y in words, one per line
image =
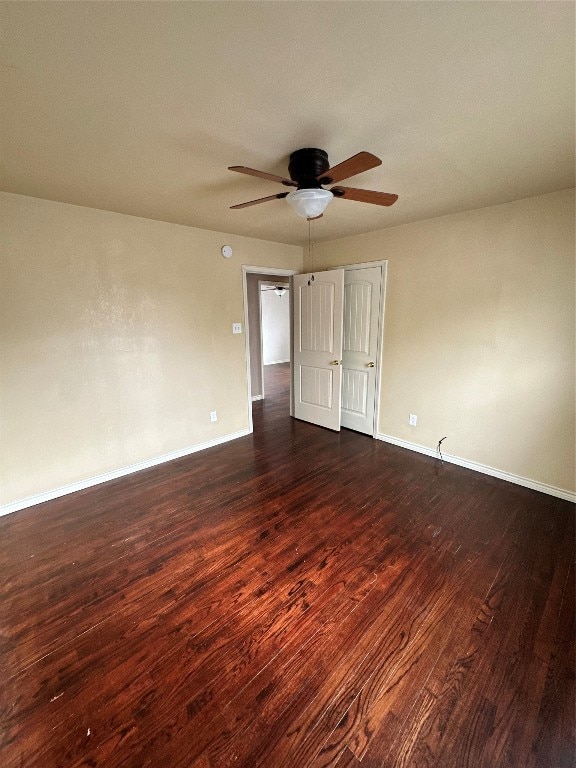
column 377, row 631
column 556, row 727
column 450, row 702
column 390, row 643
column 388, row 706
column 293, row 598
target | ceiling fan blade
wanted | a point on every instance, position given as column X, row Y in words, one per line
column 364, row 195
column 279, row 196
column 263, row 175
column 359, row 163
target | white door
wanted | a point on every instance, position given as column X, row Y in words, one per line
column 318, row 315
column 362, row 299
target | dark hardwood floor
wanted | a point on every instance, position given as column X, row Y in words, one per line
column 294, row 598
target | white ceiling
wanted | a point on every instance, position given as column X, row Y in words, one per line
column 140, row 107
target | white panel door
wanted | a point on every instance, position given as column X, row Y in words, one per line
column 317, row 370
column 362, row 296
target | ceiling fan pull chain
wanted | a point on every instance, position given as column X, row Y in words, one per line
column 310, row 253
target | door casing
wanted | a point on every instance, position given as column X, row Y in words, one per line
column 379, row 354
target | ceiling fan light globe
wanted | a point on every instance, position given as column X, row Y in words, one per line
column 309, row 203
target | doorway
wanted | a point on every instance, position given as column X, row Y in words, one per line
column 275, row 321
column 254, row 278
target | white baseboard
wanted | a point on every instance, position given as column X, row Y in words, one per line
column 561, row 493
column 277, row 362
column 55, row 493
column 257, row 397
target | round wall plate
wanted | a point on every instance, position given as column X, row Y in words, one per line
column 226, row 251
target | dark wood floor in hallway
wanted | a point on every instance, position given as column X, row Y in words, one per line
column 293, row 598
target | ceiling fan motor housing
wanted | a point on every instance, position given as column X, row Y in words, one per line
column 307, row 167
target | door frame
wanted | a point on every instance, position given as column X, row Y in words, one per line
column 246, row 270
column 383, row 263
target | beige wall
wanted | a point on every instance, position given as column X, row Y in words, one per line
column 115, row 330
column 479, row 335
column 116, row 340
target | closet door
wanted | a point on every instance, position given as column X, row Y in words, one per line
column 362, row 301
column 318, row 300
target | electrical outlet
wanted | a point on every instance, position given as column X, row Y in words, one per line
column 413, row 420
column 236, row 327
column 213, row 416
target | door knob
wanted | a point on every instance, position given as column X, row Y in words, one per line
column 335, row 362
column 370, row 365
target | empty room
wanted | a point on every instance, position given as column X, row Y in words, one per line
column 287, row 384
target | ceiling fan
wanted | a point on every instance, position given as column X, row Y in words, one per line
column 309, row 170
column 279, row 290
